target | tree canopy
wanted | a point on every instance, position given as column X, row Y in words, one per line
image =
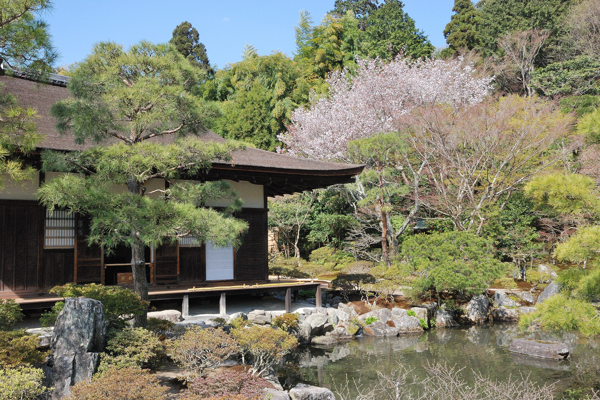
column 186, row 40
column 461, row 32
column 137, row 96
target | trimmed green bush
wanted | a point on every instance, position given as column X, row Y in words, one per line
column 198, row 349
column 21, row 383
column 287, row 322
column 10, row 314
column 159, row 326
column 18, row 348
column 120, row 304
column 133, row 347
column 559, row 313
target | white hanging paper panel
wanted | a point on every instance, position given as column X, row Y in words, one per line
column 219, row 263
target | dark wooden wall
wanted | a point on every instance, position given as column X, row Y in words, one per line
column 21, row 224
column 26, row 266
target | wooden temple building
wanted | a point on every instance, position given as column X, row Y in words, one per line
column 39, row 250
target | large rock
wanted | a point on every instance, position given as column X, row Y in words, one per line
column 477, row 309
column 335, row 316
column 444, row 319
column 376, row 328
column 274, row 394
column 503, row 314
column 307, row 392
column 408, row 324
column 526, row 297
column 551, row 290
column 260, row 317
column 502, row 300
column 317, row 323
column 348, row 309
column 323, row 341
column 421, row 313
column 383, row 315
column 77, row 340
column 552, row 350
column 168, row 315
column 399, row 313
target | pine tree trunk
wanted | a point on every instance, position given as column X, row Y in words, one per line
column 138, row 261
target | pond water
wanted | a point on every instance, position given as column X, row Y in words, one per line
column 480, row 349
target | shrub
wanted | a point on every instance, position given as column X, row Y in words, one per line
column 219, row 321
column 569, row 279
column 589, row 286
column 266, row 346
column 10, row 314
column 350, row 283
column 22, row 383
column 559, row 313
column 287, row 322
column 411, row 313
column 227, row 385
column 240, row 322
column 312, row 270
column 120, row 304
column 201, row 348
column 133, row 347
column 505, row 283
column 126, row 384
column 370, row 319
column 18, row 348
column 159, row 326
column 358, row 267
column 538, row 279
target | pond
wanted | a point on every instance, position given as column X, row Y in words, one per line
column 480, row 349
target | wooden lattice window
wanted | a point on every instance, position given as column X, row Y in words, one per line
column 59, row 230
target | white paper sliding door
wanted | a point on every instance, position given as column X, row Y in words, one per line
column 219, row 263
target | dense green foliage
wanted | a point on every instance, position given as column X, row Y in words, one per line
column 24, row 38
column 266, row 346
column 573, row 77
column 133, row 348
column 22, row 383
column 136, row 96
column 501, row 17
column 10, row 314
column 186, row 40
column 198, row 349
column 257, row 97
column 19, row 348
column 461, row 31
column 560, row 313
column 120, row 304
column 452, row 261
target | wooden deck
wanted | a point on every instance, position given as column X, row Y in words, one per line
column 37, row 300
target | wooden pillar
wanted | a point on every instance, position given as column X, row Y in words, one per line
column 288, row 300
column 185, row 307
column 318, row 301
column 223, row 304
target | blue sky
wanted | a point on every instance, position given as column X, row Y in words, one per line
column 225, row 26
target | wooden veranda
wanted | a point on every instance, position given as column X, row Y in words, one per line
column 33, row 301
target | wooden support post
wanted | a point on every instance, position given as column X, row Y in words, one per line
column 223, row 305
column 185, row 307
column 288, row 300
column 318, row 301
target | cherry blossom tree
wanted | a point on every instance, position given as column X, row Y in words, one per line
column 375, row 98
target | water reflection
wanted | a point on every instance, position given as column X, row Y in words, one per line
column 480, row 349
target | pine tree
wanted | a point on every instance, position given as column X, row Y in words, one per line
column 461, row 31
column 186, row 40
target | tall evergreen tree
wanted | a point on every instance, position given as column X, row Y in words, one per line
column 501, row 17
column 136, row 97
column 361, row 9
column 186, row 40
column 461, row 31
column 390, row 31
